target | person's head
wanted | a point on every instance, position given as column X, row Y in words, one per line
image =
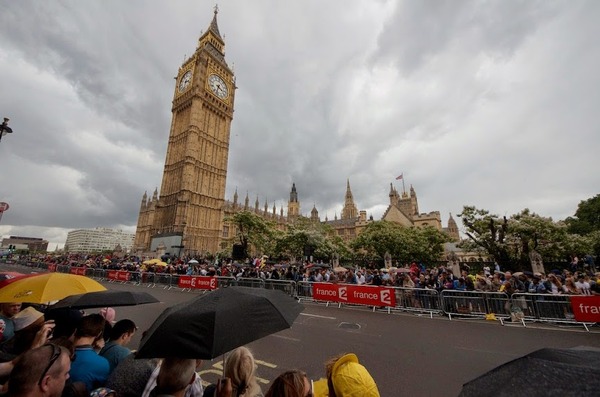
column 123, row 330
column 175, row 375
column 66, row 321
column 507, row 276
column 10, row 309
column 91, row 325
column 42, row 372
column 240, row 367
column 346, row 377
column 28, row 319
column 291, row 384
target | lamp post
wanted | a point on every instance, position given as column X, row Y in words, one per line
column 4, row 128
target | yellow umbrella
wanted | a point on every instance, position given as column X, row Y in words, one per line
column 161, row 263
column 47, row 287
column 152, row 261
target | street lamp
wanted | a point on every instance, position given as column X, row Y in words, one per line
column 4, row 128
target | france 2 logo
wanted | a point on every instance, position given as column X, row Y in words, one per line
column 343, row 293
column 385, row 296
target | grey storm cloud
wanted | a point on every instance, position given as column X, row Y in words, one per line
column 486, row 103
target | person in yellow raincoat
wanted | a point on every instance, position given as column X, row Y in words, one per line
column 346, row 377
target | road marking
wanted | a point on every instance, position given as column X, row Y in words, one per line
column 287, row 338
column 217, row 369
column 317, row 316
column 266, row 364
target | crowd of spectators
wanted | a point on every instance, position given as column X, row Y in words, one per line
column 67, row 356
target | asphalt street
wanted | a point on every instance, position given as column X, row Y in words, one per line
column 407, row 354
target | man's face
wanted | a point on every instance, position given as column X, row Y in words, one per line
column 10, row 309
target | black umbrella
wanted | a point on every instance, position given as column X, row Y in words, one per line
column 219, row 321
column 105, row 299
column 545, row 372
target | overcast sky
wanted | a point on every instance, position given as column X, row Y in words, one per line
column 494, row 104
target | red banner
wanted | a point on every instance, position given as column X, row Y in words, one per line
column 586, row 308
column 118, row 275
column 51, row 267
column 356, row 294
column 78, row 270
column 197, row 282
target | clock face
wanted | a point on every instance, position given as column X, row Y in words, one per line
column 218, row 86
column 185, row 81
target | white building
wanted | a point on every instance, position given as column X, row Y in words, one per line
column 98, row 239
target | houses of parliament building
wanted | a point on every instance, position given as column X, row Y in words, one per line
column 188, row 217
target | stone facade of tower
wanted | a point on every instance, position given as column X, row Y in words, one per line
column 404, row 209
column 192, row 193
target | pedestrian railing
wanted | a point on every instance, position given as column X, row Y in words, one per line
column 452, row 303
column 286, row 286
column 419, row 300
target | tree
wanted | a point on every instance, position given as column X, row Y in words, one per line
column 253, row 230
column 405, row 244
column 305, row 234
column 510, row 241
column 587, row 217
column 486, row 232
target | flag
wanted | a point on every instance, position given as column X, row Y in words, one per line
column 401, row 176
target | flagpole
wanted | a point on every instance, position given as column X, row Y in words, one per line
column 403, row 187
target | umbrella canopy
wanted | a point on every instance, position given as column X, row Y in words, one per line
column 105, row 299
column 340, row 269
column 47, row 287
column 193, row 262
column 9, row 275
column 217, row 322
column 572, row 372
column 402, row 270
column 152, row 261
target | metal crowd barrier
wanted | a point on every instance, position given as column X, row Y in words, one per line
column 474, row 304
column 250, row 282
column 286, row 286
column 417, row 300
column 304, row 291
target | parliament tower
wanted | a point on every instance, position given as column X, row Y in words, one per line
column 187, row 217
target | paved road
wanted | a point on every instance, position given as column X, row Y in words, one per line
column 407, row 355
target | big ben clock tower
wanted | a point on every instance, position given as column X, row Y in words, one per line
column 188, row 215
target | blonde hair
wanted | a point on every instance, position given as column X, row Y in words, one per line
column 241, row 368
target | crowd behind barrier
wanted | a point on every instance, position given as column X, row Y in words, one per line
column 397, row 292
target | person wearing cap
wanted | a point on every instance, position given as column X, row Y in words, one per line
column 536, row 286
column 40, row 372
column 346, row 377
column 7, row 324
column 31, row 331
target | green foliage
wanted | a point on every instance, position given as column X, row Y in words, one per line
column 252, row 230
column 305, row 233
column 587, row 217
column 510, row 241
column 404, row 244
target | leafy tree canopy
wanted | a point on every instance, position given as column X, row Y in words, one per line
column 587, row 217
